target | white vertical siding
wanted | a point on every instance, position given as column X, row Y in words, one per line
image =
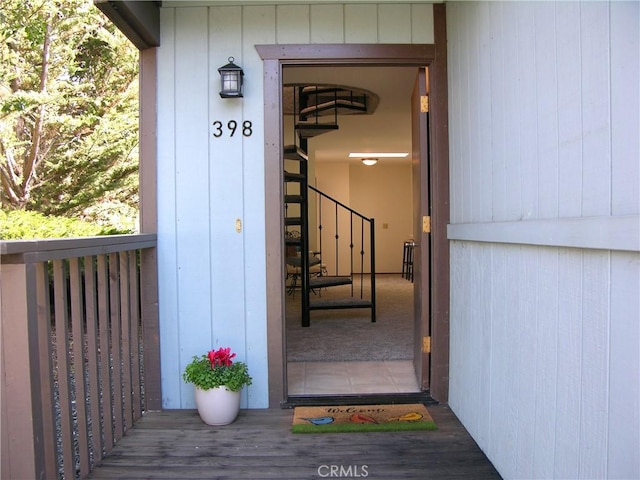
column 421, row 23
column 546, row 340
column 567, row 58
column 167, row 225
column 258, row 26
column 212, row 278
column 293, row 24
column 596, row 112
column 361, row 24
column 545, row 336
column 225, row 187
column 625, row 141
column 547, row 122
column 392, row 23
column 327, row 23
column 569, row 366
column 624, row 366
column 192, row 186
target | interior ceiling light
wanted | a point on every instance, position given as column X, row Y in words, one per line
column 378, row 155
column 369, row 161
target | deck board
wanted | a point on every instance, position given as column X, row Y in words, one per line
column 175, row 444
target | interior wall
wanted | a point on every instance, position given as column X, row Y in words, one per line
column 332, row 178
column 381, row 192
column 545, row 234
column 384, row 192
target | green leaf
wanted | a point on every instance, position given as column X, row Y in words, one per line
column 200, row 373
column 83, row 119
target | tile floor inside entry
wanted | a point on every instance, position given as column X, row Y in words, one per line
column 317, row 378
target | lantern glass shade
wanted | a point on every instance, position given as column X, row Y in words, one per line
column 231, row 80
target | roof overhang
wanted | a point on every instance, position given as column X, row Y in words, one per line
column 138, row 20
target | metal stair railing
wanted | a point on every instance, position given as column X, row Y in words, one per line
column 354, row 217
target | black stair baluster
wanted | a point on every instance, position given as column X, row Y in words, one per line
column 304, row 240
column 351, row 245
column 319, row 203
column 361, row 258
column 335, row 110
column 337, row 236
column 372, row 246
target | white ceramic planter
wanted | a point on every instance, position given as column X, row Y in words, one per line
column 217, row 406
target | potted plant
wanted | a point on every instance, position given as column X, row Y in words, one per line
column 218, row 381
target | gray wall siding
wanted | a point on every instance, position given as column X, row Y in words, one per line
column 545, row 252
column 212, row 277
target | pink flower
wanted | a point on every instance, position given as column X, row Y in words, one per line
column 221, row 357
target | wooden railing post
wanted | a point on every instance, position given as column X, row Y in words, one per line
column 22, row 446
column 151, row 328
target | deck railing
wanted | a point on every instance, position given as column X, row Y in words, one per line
column 80, row 352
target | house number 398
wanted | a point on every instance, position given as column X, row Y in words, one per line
column 231, row 127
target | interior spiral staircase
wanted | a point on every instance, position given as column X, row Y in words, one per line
column 316, row 109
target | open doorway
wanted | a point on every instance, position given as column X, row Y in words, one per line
column 342, row 352
column 436, row 313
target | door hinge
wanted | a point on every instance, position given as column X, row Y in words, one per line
column 426, row 344
column 426, row 224
column 424, row 103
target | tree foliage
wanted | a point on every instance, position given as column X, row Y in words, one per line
column 22, row 225
column 68, row 109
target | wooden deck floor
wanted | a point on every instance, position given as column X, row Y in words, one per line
column 259, row 445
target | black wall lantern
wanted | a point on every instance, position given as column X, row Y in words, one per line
column 231, row 80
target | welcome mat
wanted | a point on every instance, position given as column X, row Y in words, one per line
column 362, row 418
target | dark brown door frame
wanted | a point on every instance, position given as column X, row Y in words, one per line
column 274, row 58
column 421, row 207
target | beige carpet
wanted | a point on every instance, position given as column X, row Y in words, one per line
column 349, row 335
